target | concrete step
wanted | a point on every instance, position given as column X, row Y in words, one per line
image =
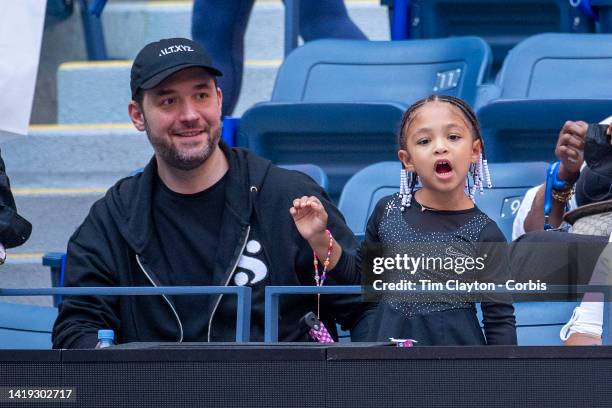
column 99, row 92
column 19, row 274
column 54, row 215
column 143, row 22
column 73, row 156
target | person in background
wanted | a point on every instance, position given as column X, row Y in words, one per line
column 220, row 26
column 586, row 216
column 570, row 153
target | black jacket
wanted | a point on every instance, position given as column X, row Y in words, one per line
column 117, row 245
column 14, row 229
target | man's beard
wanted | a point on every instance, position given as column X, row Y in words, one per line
column 181, row 160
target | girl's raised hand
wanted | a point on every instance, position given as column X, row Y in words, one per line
column 309, row 216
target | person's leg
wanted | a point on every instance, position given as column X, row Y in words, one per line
column 219, row 25
column 327, row 19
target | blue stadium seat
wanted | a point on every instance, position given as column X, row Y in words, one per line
column 510, row 182
column 314, row 172
column 370, row 71
column 558, row 66
column 337, row 103
column 341, row 137
column 604, row 10
column 502, row 23
column 539, row 323
column 26, row 326
column 546, row 80
column 519, row 130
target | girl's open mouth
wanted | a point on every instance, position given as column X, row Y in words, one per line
column 443, row 169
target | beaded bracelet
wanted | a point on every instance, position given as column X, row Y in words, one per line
column 562, row 196
column 319, row 280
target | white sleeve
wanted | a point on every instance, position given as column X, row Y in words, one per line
column 518, row 228
column 586, row 319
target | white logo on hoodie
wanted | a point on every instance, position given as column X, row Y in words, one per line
column 258, row 270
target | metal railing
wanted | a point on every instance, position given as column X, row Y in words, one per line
column 243, row 294
column 274, row 292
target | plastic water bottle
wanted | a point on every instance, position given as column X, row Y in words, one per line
column 106, row 338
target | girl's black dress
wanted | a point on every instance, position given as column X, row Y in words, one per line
column 441, row 319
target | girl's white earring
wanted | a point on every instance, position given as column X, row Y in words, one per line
column 480, row 175
column 406, row 181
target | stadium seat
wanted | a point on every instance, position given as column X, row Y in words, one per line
column 337, row 103
column 539, row 323
column 510, row 182
column 604, row 10
column 502, row 23
column 558, row 66
column 26, row 326
column 341, row 137
column 314, row 172
column 369, row 71
column 520, row 130
column 545, row 80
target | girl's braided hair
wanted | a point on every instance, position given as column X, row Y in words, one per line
column 458, row 103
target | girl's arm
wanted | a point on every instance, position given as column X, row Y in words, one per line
column 498, row 313
column 499, row 323
column 310, row 219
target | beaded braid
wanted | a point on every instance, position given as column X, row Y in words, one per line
column 408, row 181
column 479, row 170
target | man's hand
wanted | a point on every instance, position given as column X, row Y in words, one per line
column 570, row 149
column 309, row 216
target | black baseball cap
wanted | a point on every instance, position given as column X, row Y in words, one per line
column 160, row 59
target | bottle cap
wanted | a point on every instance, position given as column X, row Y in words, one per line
column 106, row 335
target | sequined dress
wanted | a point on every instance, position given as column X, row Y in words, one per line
column 441, row 319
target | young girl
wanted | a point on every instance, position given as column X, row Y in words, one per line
column 440, row 142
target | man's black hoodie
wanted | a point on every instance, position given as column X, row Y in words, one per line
column 117, row 245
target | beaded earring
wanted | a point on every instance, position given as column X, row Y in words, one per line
column 480, row 175
column 407, row 184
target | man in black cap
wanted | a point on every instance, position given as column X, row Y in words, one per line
column 200, row 213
